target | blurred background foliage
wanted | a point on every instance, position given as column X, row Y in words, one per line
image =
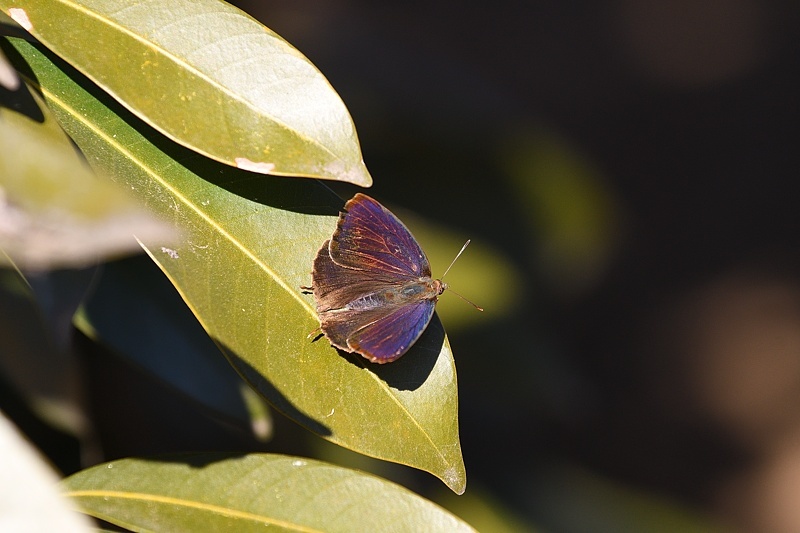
column 630, row 171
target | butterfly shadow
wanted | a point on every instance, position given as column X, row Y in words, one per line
column 414, row 368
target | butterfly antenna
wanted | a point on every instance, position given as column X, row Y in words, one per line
column 451, row 266
column 479, row 308
column 456, row 257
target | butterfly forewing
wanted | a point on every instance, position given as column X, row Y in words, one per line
column 369, row 237
column 335, row 286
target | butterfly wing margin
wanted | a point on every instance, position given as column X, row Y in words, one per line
column 369, row 237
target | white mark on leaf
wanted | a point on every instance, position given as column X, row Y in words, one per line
column 170, row 252
column 260, row 167
column 19, row 15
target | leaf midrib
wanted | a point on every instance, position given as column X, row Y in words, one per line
column 169, row 500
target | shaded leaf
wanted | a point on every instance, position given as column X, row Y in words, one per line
column 600, row 504
column 219, row 492
column 247, row 246
column 162, row 336
column 212, row 78
column 485, row 512
column 569, row 209
column 35, row 358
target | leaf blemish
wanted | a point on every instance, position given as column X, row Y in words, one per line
column 21, row 18
column 260, row 167
column 170, row 252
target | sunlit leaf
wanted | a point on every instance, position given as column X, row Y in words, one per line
column 209, row 76
column 218, row 492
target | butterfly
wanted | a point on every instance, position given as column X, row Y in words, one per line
column 372, row 283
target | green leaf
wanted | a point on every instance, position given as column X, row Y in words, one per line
column 54, row 212
column 223, row 492
column 247, row 246
column 486, row 512
column 569, row 210
column 600, row 504
column 208, row 76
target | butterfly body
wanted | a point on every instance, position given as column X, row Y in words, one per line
column 409, row 293
column 372, row 283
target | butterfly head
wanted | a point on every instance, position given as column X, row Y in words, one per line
column 440, row 286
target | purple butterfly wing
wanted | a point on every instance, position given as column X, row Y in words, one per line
column 369, row 237
column 334, row 286
column 383, row 335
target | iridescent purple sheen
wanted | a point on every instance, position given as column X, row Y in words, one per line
column 372, row 283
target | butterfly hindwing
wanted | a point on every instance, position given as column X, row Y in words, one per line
column 392, row 335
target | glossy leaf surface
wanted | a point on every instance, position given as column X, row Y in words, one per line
column 210, row 77
column 217, row 492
